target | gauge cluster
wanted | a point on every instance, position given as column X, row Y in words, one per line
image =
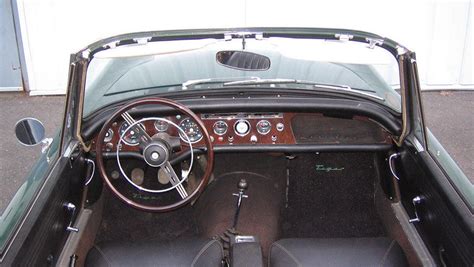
column 224, row 129
column 248, row 128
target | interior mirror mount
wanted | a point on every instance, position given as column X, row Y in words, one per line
column 30, row 132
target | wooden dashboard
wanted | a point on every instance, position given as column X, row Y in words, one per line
column 277, row 128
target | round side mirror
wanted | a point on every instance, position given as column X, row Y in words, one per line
column 29, row 131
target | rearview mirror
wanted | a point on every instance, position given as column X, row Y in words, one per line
column 29, row 131
column 243, row 60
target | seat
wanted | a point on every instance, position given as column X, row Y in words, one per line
column 378, row 251
column 194, row 252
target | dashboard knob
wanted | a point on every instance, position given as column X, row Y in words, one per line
column 253, row 139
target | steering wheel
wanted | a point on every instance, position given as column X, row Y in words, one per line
column 156, row 151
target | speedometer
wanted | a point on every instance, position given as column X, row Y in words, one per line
column 191, row 129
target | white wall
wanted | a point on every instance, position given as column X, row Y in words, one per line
column 439, row 31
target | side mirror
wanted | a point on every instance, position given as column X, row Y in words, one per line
column 30, row 132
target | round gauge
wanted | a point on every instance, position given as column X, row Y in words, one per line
column 108, row 135
column 220, row 127
column 242, row 127
column 264, row 127
column 191, row 129
column 131, row 138
column 161, row 126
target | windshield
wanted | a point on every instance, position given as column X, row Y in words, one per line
column 172, row 66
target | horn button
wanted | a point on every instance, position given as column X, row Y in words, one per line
column 156, row 154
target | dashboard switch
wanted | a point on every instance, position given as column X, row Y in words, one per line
column 253, row 139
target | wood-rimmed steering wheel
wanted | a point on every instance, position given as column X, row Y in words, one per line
column 157, row 152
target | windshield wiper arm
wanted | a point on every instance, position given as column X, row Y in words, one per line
column 348, row 89
column 260, row 81
column 186, row 84
column 314, row 84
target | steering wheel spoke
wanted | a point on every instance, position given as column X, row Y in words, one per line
column 174, row 180
column 144, row 137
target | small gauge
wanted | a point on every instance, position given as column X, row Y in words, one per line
column 161, row 126
column 191, row 129
column 280, row 127
column 242, row 127
column 131, row 138
column 220, row 127
column 264, row 127
column 109, row 135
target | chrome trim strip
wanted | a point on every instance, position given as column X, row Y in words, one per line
column 418, row 145
column 70, row 148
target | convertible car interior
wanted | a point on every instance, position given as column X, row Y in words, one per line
column 241, row 170
column 288, row 187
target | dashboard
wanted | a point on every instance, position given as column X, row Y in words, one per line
column 224, row 129
column 269, row 128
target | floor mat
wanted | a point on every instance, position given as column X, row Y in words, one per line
column 123, row 223
column 331, row 195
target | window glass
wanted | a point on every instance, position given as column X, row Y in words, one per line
column 162, row 67
column 23, row 169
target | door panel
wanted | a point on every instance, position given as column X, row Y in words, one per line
column 43, row 233
column 446, row 223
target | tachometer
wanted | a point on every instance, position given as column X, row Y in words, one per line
column 191, row 129
column 131, row 138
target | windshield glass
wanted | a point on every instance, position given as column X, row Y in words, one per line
column 172, row 66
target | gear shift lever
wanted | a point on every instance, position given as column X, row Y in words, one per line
column 242, row 186
column 230, row 234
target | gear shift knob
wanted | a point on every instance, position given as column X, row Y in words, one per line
column 242, row 185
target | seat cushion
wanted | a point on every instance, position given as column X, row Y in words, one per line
column 378, row 251
column 194, row 252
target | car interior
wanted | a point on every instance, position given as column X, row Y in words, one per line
column 240, row 178
column 301, row 183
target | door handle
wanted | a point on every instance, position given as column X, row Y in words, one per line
column 391, row 165
column 72, row 209
column 416, row 201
